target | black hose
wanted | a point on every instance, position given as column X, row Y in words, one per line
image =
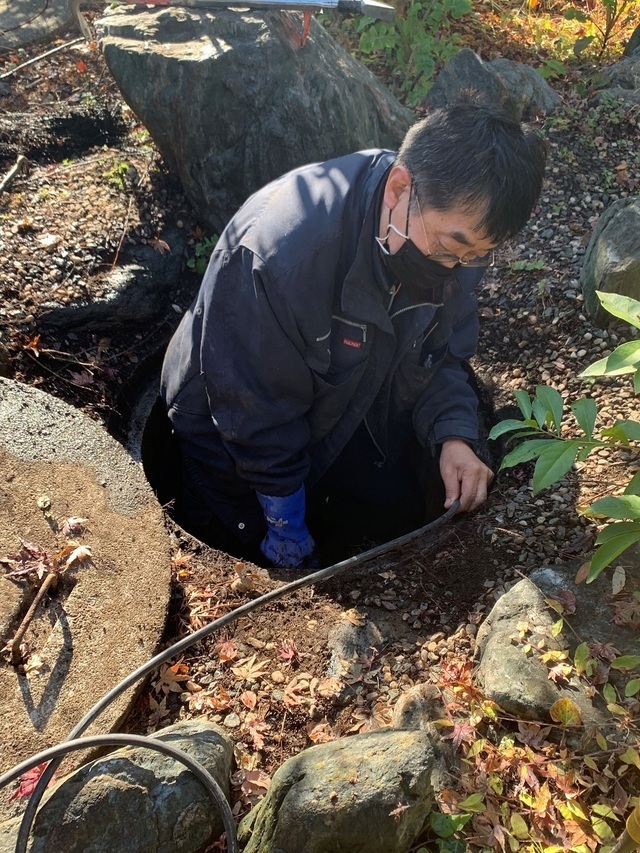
column 58, row 752
column 201, row 634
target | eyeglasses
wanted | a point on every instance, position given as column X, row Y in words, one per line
column 487, row 260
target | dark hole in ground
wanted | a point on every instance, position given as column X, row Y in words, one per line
column 160, row 456
column 53, row 138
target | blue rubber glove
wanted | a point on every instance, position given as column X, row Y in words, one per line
column 288, row 542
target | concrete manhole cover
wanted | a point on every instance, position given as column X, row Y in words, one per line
column 107, row 615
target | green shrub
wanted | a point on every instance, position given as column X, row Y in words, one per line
column 603, row 18
column 541, row 427
column 415, row 43
column 201, row 254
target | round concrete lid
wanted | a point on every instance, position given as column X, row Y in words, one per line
column 108, row 614
column 25, row 21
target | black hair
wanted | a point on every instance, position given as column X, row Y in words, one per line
column 479, row 158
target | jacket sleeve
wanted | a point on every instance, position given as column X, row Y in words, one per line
column 448, row 407
column 258, row 384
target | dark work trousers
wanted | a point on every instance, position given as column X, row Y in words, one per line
column 364, row 500
column 360, row 502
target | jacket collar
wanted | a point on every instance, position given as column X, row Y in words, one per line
column 368, row 286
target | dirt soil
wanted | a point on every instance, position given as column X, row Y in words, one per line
column 95, row 188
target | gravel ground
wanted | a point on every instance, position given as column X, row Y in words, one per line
column 71, row 218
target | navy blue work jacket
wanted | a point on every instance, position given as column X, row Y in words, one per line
column 298, row 334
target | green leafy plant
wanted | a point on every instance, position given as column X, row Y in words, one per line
column 541, row 427
column 552, row 68
column 201, row 254
column 527, row 266
column 415, row 43
column 603, row 18
column 115, row 175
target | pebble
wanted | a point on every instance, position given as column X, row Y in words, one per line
column 231, row 721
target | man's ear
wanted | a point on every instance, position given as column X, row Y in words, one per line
column 398, row 183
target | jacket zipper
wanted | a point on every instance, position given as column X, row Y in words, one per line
column 376, row 445
column 361, row 326
column 413, row 307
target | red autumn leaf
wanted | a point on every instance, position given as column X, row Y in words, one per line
column 566, row 599
column 603, row 651
column 226, row 651
column 288, row 652
column 462, row 733
column 81, row 65
column 28, row 782
column 249, row 699
column 256, row 729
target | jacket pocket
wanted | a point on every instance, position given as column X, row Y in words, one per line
column 332, row 394
column 192, row 397
column 411, row 379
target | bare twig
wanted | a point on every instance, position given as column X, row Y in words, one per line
column 16, row 655
column 20, row 165
column 41, row 56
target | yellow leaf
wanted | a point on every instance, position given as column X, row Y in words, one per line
column 519, row 826
column 583, row 572
column 630, row 756
column 565, row 712
column 601, row 741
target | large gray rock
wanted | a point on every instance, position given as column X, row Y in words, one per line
column 633, row 44
column 232, row 100
column 519, row 681
column 346, row 796
column 624, row 74
column 517, row 89
column 612, row 260
column 135, row 800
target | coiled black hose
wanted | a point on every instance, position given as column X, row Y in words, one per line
column 196, row 637
column 58, row 752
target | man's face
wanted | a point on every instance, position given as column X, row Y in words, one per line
column 447, row 236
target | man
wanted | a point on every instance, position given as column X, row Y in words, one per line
column 322, row 362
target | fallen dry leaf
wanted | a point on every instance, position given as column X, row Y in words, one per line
column 226, row 651
column 159, row 711
column 354, row 617
column 256, row 728
column 33, row 666
column 171, row 678
column 159, row 245
column 29, row 780
column 321, row 732
column 81, row 554
column 618, row 580
column 73, row 526
column 255, row 782
column 249, row 699
column 249, row 668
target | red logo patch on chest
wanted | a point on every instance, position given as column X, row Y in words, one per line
column 351, row 343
